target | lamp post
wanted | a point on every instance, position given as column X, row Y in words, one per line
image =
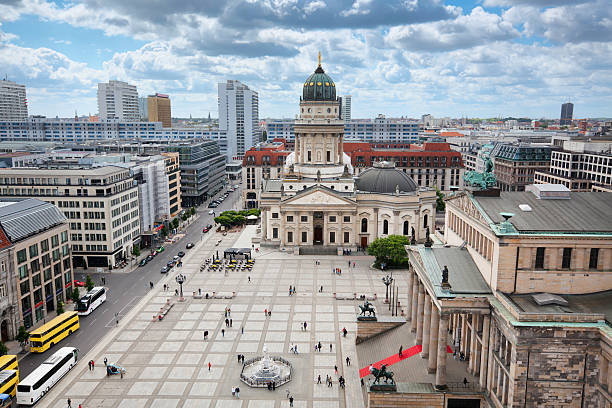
column 387, row 281
column 180, row 279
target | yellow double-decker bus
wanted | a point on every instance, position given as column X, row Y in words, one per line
column 51, row 333
column 9, row 362
column 8, row 382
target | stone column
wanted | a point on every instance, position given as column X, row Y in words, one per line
column 473, row 345
column 410, row 283
column 433, row 339
column 415, row 302
column 504, row 388
column 464, row 334
column 609, row 376
column 420, row 312
column 500, row 373
column 426, row 327
column 490, row 368
column 441, row 360
column 603, row 371
column 484, row 351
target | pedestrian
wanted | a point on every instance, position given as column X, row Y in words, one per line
column 305, row 325
column 330, row 347
column 353, row 264
column 93, row 365
column 348, row 361
column 231, row 322
column 209, row 365
column 151, row 285
column 288, row 393
column 319, row 345
column 226, row 322
column 249, row 279
column 327, row 380
column 296, row 351
column 241, row 329
column 105, row 361
column 291, row 401
column 400, row 351
column 270, row 313
column 80, row 406
column 175, row 292
column 336, row 369
column 265, row 312
column 89, row 364
column 331, row 382
column 319, row 379
column 237, row 392
column 239, row 358
column 344, row 331
column 222, row 332
column 362, row 384
column 121, row 372
column 349, row 263
column 233, row 391
column 273, row 385
column 69, row 403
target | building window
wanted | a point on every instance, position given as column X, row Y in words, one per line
column 332, row 237
column 274, row 233
column 567, row 258
column 425, row 221
column 594, row 258
column 328, row 156
column 309, row 155
column 332, row 218
column 539, row 261
column 274, row 215
column 406, row 228
column 304, row 236
column 347, row 237
column 21, row 256
column 347, row 218
column 290, row 218
column 304, row 218
column 289, row 236
column 33, row 250
column 385, row 227
column 364, row 225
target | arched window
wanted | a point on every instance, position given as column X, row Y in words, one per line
column 425, row 221
column 364, row 225
column 385, row 227
column 405, row 227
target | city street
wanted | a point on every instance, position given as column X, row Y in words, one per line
column 126, row 289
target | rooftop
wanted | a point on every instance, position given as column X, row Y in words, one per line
column 592, row 303
column 81, row 171
column 22, row 219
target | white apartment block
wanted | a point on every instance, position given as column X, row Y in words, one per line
column 118, row 100
column 101, row 205
column 68, row 130
column 238, row 119
column 346, row 107
column 13, row 102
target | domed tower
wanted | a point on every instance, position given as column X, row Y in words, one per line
column 319, row 131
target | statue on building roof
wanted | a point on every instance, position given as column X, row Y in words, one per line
column 484, row 180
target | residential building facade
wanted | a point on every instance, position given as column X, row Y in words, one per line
column 515, row 164
column 238, row 118
column 347, row 106
column 202, row 170
column 13, row 102
column 159, row 109
column 118, row 100
column 101, row 205
column 39, row 256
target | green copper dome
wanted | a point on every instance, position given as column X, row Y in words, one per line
column 319, row 87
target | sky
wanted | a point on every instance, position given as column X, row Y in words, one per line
column 472, row 58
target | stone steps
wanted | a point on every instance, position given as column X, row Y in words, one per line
column 369, row 329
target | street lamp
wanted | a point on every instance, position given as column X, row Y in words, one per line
column 387, row 281
column 180, row 279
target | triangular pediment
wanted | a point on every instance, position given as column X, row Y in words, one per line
column 318, row 197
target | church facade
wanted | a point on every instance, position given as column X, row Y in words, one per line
column 317, row 201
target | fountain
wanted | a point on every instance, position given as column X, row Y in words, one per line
column 261, row 371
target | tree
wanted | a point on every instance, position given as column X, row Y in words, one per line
column 60, row 308
column 164, row 231
column 75, row 295
column 184, row 217
column 225, row 220
column 22, row 336
column 175, row 223
column 389, row 250
column 192, row 211
column 440, row 204
column 89, row 283
column 3, row 349
column 136, row 250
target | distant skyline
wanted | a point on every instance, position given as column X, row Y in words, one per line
column 474, row 58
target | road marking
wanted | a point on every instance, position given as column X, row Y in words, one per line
column 115, row 302
column 92, row 322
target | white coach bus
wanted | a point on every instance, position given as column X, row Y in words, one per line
column 91, row 300
column 43, row 378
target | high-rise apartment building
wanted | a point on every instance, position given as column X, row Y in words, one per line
column 118, row 100
column 13, row 102
column 143, row 108
column 346, row 107
column 567, row 112
column 158, row 109
column 238, row 119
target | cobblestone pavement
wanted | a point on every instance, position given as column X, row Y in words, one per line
column 167, row 361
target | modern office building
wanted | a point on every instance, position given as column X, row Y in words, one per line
column 118, row 100
column 101, row 204
column 202, row 170
column 238, row 119
column 143, row 108
column 35, row 235
column 13, row 102
column 567, row 114
column 515, row 164
column 346, row 108
column 159, row 110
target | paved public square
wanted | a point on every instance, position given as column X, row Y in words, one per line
column 167, row 361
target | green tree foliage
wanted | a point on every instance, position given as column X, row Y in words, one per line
column 192, row 210
column 440, row 204
column 136, row 250
column 75, row 295
column 175, row 223
column 89, row 283
column 22, row 336
column 389, row 250
column 230, row 218
column 3, row 349
column 60, row 308
column 164, row 231
column 225, row 220
column 184, row 217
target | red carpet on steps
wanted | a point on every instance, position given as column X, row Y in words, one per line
column 395, row 358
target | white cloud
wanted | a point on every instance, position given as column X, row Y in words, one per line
column 313, row 6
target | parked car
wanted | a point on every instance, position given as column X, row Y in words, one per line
column 160, row 249
column 175, row 258
column 79, row 284
column 209, row 226
column 164, row 269
column 170, row 264
column 143, row 262
column 150, row 257
column 206, row 229
column 181, row 254
column 212, row 205
column 153, row 253
column 189, row 245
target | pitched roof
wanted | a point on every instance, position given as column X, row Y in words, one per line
column 584, row 212
column 22, row 219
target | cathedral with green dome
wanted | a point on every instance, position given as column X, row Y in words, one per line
column 319, row 86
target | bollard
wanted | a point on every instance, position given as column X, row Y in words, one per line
column 154, row 317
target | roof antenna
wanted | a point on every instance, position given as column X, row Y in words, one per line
column 319, row 58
